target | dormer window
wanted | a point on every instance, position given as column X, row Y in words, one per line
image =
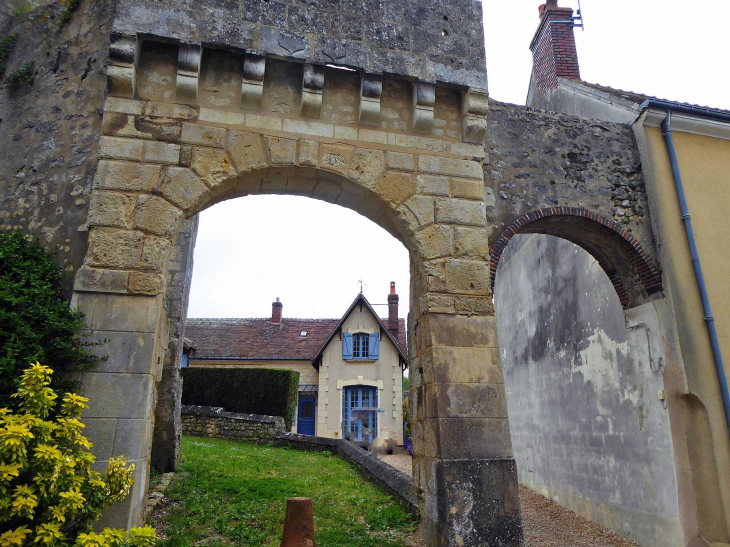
column 360, row 346
column 303, row 333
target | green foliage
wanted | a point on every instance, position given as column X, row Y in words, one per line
column 267, row 391
column 406, row 383
column 406, row 417
column 48, row 493
column 21, row 8
column 234, row 493
column 71, row 7
column 7, row 43
column 36, row 323
column 23, row 75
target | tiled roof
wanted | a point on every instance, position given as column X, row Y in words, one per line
column 262, row 339
column 639, row 98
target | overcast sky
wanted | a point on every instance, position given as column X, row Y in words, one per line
column 312, row 254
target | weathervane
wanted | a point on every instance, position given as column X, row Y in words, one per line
column 362, row 284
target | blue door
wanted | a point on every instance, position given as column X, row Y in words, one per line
column 305, row 415
column 360, row 413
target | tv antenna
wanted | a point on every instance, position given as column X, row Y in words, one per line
column 576, row 21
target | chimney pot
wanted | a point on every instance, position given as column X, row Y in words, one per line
column 276, row 309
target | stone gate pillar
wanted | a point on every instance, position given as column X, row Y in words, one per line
column 464, row 470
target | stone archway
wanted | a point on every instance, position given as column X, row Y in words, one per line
column 162, row 163
column 619, row 254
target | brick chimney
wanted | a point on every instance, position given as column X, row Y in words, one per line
column 276, row 308
column 553, row 47
column 393, row 311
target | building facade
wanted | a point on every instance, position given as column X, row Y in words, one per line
column 350, row 369
column 618, row 414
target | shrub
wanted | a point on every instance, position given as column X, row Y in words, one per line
column 25, row 74
column 406, row 418
column 36, row 323
column 71, row 7
column 48, row 493
column 267, row 391
column 7, row 43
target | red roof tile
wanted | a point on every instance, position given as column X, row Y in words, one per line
column 262, row 339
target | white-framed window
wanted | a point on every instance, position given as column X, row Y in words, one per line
column 360, row 346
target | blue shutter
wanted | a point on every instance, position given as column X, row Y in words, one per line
column 347, row 346
column 374, row 345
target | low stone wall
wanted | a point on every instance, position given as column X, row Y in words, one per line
column 216, row 422
column 211, row 421
column 385, row 475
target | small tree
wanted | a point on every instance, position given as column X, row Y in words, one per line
column 48, row 493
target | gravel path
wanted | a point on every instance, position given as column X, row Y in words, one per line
column 546, row 523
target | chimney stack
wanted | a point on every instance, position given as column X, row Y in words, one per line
column 393, row 311
column 276, row 308
column 553, row 47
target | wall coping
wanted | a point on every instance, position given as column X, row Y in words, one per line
column 220, row 412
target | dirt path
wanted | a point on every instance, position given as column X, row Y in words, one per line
column 545, row 522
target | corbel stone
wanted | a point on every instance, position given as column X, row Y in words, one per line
column 474, row 110
column 188, row 73
column 121, row 74
column 371, row 90
column 252, row 88
column 312, row 84
column 424, row 98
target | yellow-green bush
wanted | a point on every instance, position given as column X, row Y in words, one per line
column 48, row 493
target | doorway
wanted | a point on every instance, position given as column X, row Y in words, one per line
column 306, row 415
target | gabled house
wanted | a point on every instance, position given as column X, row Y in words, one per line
column 351, row 368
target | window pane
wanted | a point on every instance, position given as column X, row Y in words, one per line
column 307, row 410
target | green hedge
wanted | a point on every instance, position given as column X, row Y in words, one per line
column 267, row 391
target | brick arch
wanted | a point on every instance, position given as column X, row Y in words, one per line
column 630, row 270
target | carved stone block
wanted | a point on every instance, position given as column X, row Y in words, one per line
column 252, row 88
column 188, row 73
column 122, row 70
column 312, row 84
column 474, row 110
column 424, row 98
column 371, row 90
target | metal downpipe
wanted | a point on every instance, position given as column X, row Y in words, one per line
column 701, row 286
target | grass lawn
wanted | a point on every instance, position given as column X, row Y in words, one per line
column 234, row 493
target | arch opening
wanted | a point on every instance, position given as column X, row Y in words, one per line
column 582, row 376
column 631, row 271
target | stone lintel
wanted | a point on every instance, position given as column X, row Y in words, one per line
column 122, row 69
column 424, row 98
column 188, row 73
column 312, row 84
column 252, row 88
column 371, row 91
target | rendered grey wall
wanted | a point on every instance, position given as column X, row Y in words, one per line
column 587, row 424
column 434, row 40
